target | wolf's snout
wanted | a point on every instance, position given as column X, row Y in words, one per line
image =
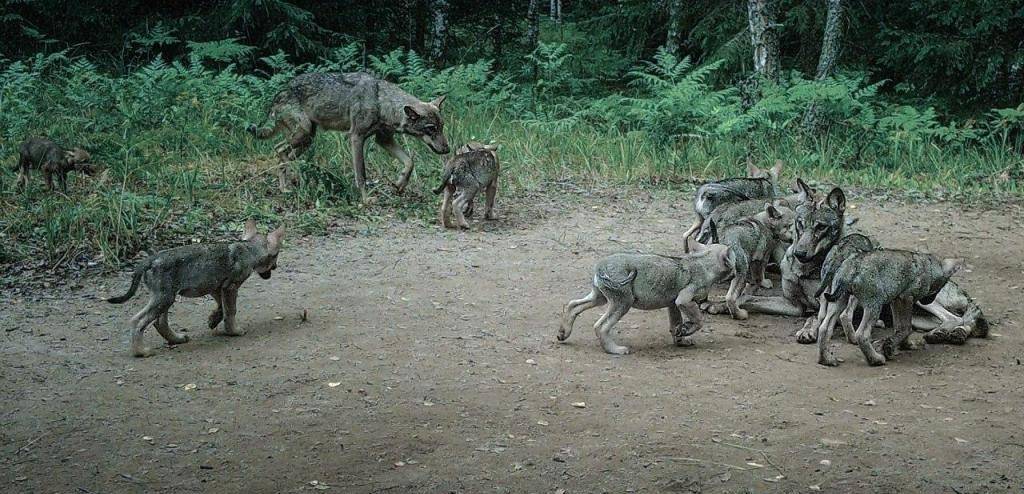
column 265, row 274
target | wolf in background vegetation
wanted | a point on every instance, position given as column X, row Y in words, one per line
column 46, row 155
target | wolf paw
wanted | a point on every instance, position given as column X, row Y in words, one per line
column 828, row 359
column 953, row 336
column 616, row 349
column 717, row 308
column 563, row 334
column 683, row 341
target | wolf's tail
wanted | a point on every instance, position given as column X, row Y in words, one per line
column 445, row 178
column 136, row 279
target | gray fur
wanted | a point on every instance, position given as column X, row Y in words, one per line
column 47, row 156
column 760, row 184
column 876, row 278
column 359, row 104
column 196, row 271
column 753, row 241
column 649, row 282
column 474, row 167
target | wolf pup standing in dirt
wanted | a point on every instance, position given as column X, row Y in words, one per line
column 359, row 104
column 753, row 241
column 876, row 278
column 649, row 282
column 198, row 270
column 760, row 184
column 42, row 153
column 474, row 167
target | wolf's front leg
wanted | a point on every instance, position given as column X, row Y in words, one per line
column 218, row 314
column 229, row 297
column 388, row 142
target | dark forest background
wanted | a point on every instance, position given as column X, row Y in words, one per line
column 922, row 98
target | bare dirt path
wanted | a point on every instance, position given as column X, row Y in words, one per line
column 429, row 364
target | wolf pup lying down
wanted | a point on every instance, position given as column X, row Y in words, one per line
column 474, row 167
column 198, row 270
column 876, row 278
column 46, row 155
column 649, row 282
column 760, row 184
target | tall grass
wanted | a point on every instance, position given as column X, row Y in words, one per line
column 179, row 166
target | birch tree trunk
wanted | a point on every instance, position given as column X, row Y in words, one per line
column 675, row 9
column 556, row 11
column 830, row 48
column 764, row 37
column 439, row 30
column 533, row 31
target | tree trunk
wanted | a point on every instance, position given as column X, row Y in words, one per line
column 439, row 30
column 830, row 44
column 830, row 47
column 675, row 9
column 764, row 37
column 556, row 11
column 533, row 31
column 497, row 40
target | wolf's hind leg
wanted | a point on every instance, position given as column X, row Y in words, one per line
column 169, row 334
column 148, row 315
column 462, row 197
column 603, row 328
column 492, row 191
column 574, row 308
column 867, row 321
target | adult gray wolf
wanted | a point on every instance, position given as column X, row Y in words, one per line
column 357, row 103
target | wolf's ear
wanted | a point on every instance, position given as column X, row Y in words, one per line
column 805, row 191
column 250, row 230
column 836, row 199
column 728, row 259
column 776, row 171
column 693, row 246
column 410, row 113
column 491, row 147
column 438, row 101
column 274, row 239
column 752, row 170
column 772, row 212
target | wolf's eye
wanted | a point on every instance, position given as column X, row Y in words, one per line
column 430, row 127
column 820, row 227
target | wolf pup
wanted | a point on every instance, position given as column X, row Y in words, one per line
column 753, row 241
column 474, row 167
column 650, row 282
column 876, row 278
column 198, row 270
column 42, row 153
column 760, row 184
column 359, row 104
column 844, row 249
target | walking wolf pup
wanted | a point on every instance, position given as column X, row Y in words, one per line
column 195, row 271
column 474, row 167
column 649, row 282
column 359, row 104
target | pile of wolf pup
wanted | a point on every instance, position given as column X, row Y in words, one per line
column 743, row 226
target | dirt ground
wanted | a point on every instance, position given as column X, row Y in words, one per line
column 428, row 363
